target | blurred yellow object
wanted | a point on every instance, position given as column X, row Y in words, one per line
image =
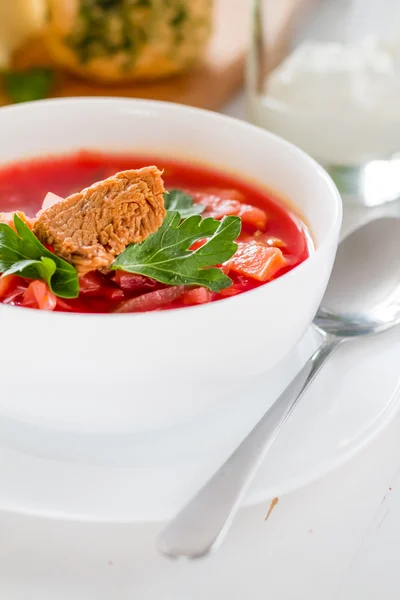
column 19, row 20
column 118, row 40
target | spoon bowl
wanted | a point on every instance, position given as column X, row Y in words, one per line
column 363, row 294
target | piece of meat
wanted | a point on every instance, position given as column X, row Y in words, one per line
column 90, row 228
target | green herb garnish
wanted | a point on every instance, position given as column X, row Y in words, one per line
column 107, row 28
column 23, row 254
column 33, row 84
column 182, row 203
column 165, row 255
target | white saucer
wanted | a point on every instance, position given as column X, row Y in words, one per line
column 149, row 476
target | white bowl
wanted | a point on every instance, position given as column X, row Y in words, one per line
column 107, row 373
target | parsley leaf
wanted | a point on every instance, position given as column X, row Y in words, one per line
column 182, row 203
column 23, row 254
column 165, row 255
column 33, row 84
column 43, row 268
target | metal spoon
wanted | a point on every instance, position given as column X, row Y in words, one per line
column 362, row 298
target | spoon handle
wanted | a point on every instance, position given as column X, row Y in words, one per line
column 202, row 524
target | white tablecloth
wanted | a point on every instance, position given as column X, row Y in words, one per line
column 319, row 543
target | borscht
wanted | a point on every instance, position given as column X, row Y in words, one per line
column 93, row 232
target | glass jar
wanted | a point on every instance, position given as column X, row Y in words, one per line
column 336, row 93
column 117, row 40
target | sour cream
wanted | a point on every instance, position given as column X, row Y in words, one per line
column 339, row 102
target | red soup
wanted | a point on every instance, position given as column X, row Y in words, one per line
column 273, row 240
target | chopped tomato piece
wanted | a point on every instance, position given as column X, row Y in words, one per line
column 7, row 284
column 257, row 261
column 240, row 284
column 38, row 295
column 220, row 203
column 152, row 300
column 218, row 207
column 198, row 244
column 199, row 295
column 90, row 283
column 129, row 282
column 16, row 295
column 251, row 215
column 112, row 293
column 12, row 287
column 95, row 284
column 232, row 290
column 50, row 199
